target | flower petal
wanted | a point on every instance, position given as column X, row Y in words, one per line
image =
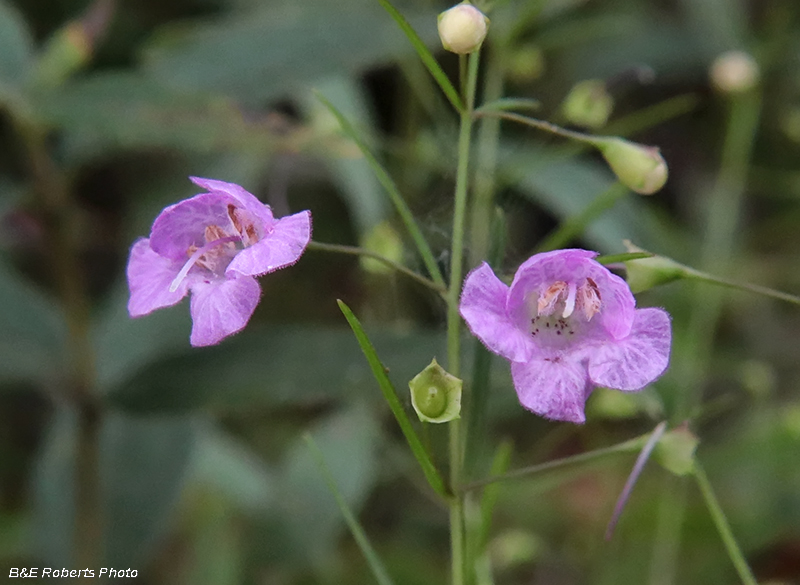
column 183, row 224
column 222, row 307
column 149, row 278
column 555, row 389
column 483, row 306
column 574, row 266
column 635, row 361
column 247, row 200
column 282, row 247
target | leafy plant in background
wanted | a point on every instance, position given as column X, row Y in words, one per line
column 130, row 450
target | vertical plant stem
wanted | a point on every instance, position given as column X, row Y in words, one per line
column 724, row 529
column 54, row 199
column 718, row 249
column 457, row 540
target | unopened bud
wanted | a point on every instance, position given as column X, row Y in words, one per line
column 462, row 28
column 734, row 72
column 436, row 395
column 588, row 104
column 675, row 451
column 645, row 273
column 640, row 168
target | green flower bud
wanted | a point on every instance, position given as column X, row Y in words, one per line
column 462, row 28
column 734, row 72
column 382, row 239
column 525, row 64
column 588, row 104
column 645, row 273
column 640, row 168
column 436, row 395
column 675, row 451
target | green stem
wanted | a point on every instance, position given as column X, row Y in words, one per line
column 745, row 286
column 724, row 529
column 457, row 537
column 631, row 446
column 539, row 125
column 717, row 250
column 355, row 251
column 53, row 192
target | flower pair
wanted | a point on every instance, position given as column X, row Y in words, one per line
column 214, row 245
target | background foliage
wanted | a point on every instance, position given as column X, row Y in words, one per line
column 106, row 108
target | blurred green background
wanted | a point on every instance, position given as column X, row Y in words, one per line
column 106, row 108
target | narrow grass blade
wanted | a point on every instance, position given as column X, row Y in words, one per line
column 394, row 193
column 641, row 460
column 426, row 56
column 390, row 394
column 502, row 459
column 375, row 563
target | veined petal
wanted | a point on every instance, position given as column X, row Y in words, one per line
column 149, row 278
column 483, row 306
column 221, row 308
column 184, row 224
column 247, row 200
column 638, row 359
column 280, row 248
column 554, row 388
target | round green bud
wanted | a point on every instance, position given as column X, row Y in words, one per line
column 588, row 104
column 435, row 394
column 675, row 450
column 382, row 239
column 640, row 168
column 462, row 28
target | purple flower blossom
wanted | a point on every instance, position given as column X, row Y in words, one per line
column 214, row 245
column 566, row 324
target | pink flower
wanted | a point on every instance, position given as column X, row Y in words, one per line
column 214, row 245
column 566, row 324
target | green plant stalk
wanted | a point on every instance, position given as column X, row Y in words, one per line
column 457, row 537
column 488, row 149
column 51, row 188
column 631, row 446
column 724, row 529
column 718, row 248
column 356, row 251
column 373, row 560
column 574, row 226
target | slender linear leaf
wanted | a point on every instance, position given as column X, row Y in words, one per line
column 390, row 394
column 616, row 258
column 393, row 191
column 505, row 104
column 375, row 563
column 426, row 56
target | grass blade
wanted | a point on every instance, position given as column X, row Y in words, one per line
column 427, row 57
column 378, row 370
column 375, row 563
column 394, row 193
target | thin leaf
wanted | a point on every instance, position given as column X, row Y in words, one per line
column 390, row 394
column 426, row 56
column 617, row 258
column 502, row 459
column 375, row 563
column 641, row 460
column 393, row 191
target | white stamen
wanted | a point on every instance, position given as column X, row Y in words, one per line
column 569, row 303
column 195, row 257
